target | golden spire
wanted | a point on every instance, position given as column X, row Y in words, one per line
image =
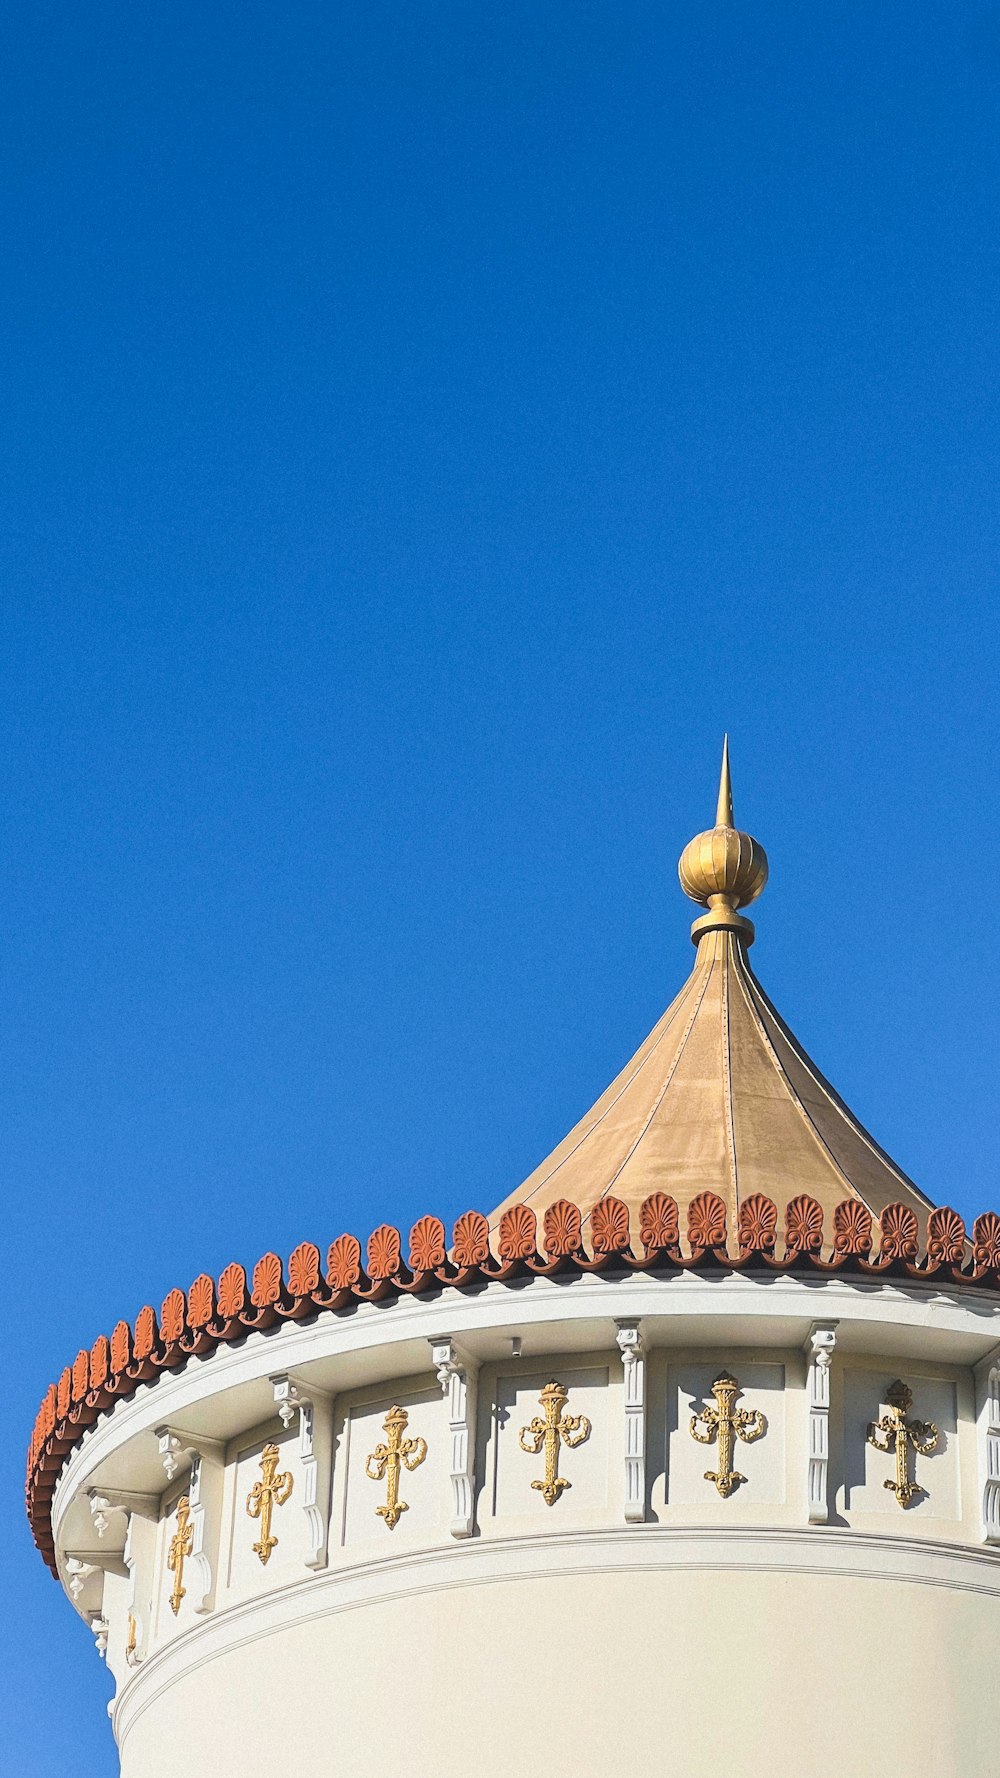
column 719, row 1098
column 724, row 806
column 724, row 868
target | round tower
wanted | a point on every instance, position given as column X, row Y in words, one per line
column 686, row 1459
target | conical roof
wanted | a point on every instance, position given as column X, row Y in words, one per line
column 720, row 1097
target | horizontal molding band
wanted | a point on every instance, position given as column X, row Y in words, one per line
column 908, row 1319
column 649, row 1549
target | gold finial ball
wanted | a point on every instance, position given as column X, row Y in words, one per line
column 723, row 862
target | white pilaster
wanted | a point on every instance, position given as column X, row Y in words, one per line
column 138, row 1556
column 629, row 1340
column 139, row 1513
column 987, row 1376
column 206, row 1457
column 314, row 1408
column 457, row 1377
column 819, row 1350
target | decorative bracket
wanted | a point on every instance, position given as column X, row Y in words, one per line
column 819, row 1351
column 179, row 1448
column 85, row 1572
column 80, row 1571
column 314, row 1408
column 105, row 1501
column 206, row 1457
column 457, row 1375
column 172, row 1450
column 987, row 1375
column 630, row 1345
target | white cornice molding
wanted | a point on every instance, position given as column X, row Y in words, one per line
column 920, row 1320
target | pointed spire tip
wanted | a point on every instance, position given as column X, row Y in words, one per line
column 724, row 810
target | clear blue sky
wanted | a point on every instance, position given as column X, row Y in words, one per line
column 424, row 430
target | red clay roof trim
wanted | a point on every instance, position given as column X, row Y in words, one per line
column 208, row 1317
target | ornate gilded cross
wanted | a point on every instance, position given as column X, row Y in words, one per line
column 272, row 1490
column 727, row 1422
column 386, row 1461
column 180, row 1547
column 900, row 1434
column 572, row 1429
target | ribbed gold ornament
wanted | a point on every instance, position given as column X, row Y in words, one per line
column 723, row 868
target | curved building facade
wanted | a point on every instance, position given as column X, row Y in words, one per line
column 686, row 1459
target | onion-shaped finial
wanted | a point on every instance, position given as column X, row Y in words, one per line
column 724, row 869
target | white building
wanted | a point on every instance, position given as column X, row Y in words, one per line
column 687, row 1460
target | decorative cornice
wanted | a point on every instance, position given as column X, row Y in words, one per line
column 211, row 1315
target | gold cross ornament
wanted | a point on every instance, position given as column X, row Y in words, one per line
column 386, row 1460
column 180, row 1547
column 571, row 1429
column 272, row 1490
column 899, row 1433
column 727, row 1423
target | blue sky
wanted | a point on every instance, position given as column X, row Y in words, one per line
column 425, row 430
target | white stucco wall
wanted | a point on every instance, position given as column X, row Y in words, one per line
column 623, row 1662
